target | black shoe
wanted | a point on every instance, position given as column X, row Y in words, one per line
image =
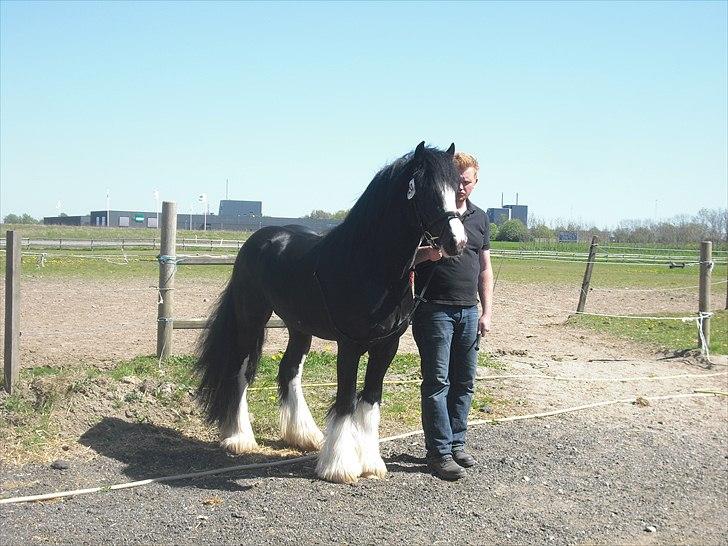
column 463, row 459
column 445, row 468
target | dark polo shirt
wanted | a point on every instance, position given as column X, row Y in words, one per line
column 455, row 280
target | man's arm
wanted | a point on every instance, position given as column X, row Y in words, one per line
column 485, row 291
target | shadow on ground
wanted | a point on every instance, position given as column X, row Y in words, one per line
column 149, row 450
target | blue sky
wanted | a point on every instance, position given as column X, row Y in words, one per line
column 591, row 111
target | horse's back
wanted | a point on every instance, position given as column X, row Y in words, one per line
column 279, row 263
column 280, row 244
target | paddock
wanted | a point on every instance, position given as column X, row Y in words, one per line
column 610, row 473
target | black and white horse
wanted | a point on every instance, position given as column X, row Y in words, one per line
column 351, row 286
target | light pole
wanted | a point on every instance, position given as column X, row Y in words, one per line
column 156, row 205
column 203, row 199
column 108, row 209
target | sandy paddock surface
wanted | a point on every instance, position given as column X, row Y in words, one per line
column 66, row 321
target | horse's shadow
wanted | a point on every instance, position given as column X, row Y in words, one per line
column 149, row 450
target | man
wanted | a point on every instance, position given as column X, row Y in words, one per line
column 446, row 327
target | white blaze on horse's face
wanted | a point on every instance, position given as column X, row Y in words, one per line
column 456, row 225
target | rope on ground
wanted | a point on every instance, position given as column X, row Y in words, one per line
column 639, row 317
column 528, row 376
column 294, row 460
column 666, row 289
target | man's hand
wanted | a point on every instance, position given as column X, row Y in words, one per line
column 483, row 325
column 425, row 253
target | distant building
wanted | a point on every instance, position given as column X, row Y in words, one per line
column 123, row 218
column 241, row 209
column 498, row 215
column 234, row 216
column 67, row 220
column 518, row 212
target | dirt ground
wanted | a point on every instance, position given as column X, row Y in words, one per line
column 67, row 321
column 607, row 475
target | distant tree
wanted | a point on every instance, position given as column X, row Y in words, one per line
column 493, row 231
column 325, row 215
column 512, row 230
column 23, row 219
column 541, row 231
column 63, row 215
column 318, row 214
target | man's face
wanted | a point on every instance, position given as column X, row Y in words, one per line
column 468, row 180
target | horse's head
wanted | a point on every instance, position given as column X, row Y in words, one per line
column 431, row 190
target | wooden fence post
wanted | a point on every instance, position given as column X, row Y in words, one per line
column 12, row 309
column 167, row 269
column 706, row 268
column 587, row 275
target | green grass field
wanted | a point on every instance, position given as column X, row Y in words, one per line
column 115, row 263
column 671, row 335
column 40, row 231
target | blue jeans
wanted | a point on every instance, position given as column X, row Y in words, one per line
column 446, row 336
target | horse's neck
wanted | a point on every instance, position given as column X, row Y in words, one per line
column 384, row 252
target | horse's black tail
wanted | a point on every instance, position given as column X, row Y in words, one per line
column 235, row 332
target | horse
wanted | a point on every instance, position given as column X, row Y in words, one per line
column 351, row 286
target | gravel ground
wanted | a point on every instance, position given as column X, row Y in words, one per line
column 620, row 474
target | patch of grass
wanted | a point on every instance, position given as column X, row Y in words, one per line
column 140, row 367
column 672, row 335
column 146, row 391
column 43, row 371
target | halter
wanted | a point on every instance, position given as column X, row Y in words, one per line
column 445, row 217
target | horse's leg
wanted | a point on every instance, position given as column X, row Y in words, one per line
column 367, row 409
column 298, row 428
column 339, row 459
column 253, row 312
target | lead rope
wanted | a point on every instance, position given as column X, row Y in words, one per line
column 407, row 320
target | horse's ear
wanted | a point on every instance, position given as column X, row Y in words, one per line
column 419, row 151
column 451, row 150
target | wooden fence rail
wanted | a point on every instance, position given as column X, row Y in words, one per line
column 168, row 263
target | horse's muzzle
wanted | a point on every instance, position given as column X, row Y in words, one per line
column 453, row 240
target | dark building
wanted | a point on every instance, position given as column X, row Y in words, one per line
column 123, row 218
column 498, row 215
column 518, row 212
column 241, row 209
column 67, row 220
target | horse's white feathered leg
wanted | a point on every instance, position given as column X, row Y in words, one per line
column 339, row 460
column 298, row 428
column 366, row 418
column 237, row 434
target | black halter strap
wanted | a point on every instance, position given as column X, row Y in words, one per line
column 445, row 217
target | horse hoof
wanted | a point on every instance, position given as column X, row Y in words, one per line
column 375, row 473
column 338, row 477
column 306, row 442
column 239, row 444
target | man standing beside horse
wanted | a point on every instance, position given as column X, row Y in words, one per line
column 447, row 326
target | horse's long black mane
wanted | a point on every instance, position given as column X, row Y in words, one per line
column 369, row 210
